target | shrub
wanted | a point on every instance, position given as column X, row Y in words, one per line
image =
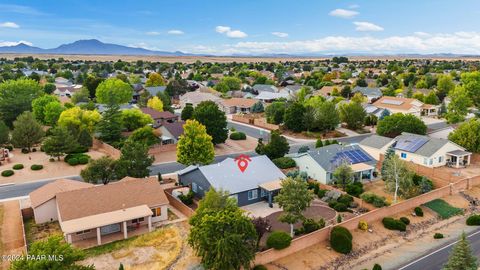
column 339, row 218
column 51, row 159
column 25, row 151
column 79, row 149
column 345, row 199
column 418, row 211
column 338, row 206
column 259, row 267
column 405, row 220
column 82, row 160
column 9, row 147
column 354, row 189
column 374, row 199
column 236, row 136
column 303, row 149
column 8, row 173
column 438, row 236
column 72, row 161
column 321, row 193
column 34, row 150
column 36, row 167
column 363, row 225
column 473, row 220
column 284, row 162
column 18, row 166
column 310, row 225
column 377, row 267
column 188, row 198
column 341, row 240
column 279, row 240
column 394, row 224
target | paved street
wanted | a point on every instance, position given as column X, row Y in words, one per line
column 435, row 259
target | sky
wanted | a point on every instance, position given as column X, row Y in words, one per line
column 226, row 27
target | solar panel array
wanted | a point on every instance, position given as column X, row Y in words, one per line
column 410, row 144
column 354, row 156
column 392, row 102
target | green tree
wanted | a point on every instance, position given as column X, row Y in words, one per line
column 221, row 233
column 133, row 119
column 91, row 83
column 445, row 84
column 187, row 112
column 293, row 198
column 432, row 98
column 471, row 83
column 461, row 257
column 81, row 95
column 155, row 79
column 303, row 93
column 52, row 113
column 276, row 148
column 398, row 178
column 59, row 143
column 27, row 132
column 16, row 97
column 458, row 106
column 232, row 83
column 327, row 117
column 214, row 120
column 275, row 112
column 39, row 104
column 393, row 125
column 155, row 103
column 4, row 134
column 353, row 114
column 195, row 145
column 176, row 88
column 145, row 135
column 110, row 127
column 84, row 138
column 343, row 175
column 114, row 92
column 166, row 101
column 467, row 135
column 77, row 119
column 102, row 170
column 294, row 117
column 52, row 246
column 258, row 107
column 134, row 160
column 49, row 88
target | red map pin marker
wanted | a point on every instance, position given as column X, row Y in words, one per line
column 242, row 162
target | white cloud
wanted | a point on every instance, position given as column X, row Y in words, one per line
column 458, row 43
column 343, row 13
column 226, row 30
column 9, row 25
column 354, row 6
column 153, row 33
column 143, row 45
column 367, row 27
column 280, row 34
column 175, row 32
column 14, row 43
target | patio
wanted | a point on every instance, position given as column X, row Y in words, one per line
column 458, row 159
column 108, row 238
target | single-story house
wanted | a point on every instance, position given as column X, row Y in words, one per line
column 259, row 88
column 196, row 97
column 171, row 132
column 293, row 89
column 406, row 106
column 154, row 90
column 237, row 105
column 371, row 93
column 260, row 180
column 43, row 200
column 376, row 145
column 372, row 110
column 421, row 150
column 159, row 118
column 270, row 97
column 320, row 163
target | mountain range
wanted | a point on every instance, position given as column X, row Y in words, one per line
column 90, row 46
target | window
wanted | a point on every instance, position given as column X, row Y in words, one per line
column 194, row 187
column 431, row 161
column 263, row 193
column 138, row 220
column 82, row 232
column 403, row 155
column 425, row 161
column 252, row 194
column 440, row 159
column 156, row 212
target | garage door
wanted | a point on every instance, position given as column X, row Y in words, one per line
column 113, row 228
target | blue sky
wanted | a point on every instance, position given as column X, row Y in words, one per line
column 250, row 26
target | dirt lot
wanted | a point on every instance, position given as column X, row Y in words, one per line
column 378, row 187
column 50, row 169
column 10, row 231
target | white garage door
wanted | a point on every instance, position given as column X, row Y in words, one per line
column 113, row 228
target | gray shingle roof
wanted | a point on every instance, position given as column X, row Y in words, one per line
column 429, row 148
column 153, row 90
column 375, row 141
column 265, row 88
column 368, row 91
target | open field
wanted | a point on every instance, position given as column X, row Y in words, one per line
column 221, row 59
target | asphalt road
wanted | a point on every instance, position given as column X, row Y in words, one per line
column 435, row 259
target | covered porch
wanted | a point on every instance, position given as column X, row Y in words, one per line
column 103, row 228
column 362, row 172
column 458, row 159
column 271, row 189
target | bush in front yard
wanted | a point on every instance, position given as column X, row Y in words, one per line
column 236, row 136
column 284, row 162
column 394, row 224
column 7, row 173
column 36, row 167
column 72, row 161
column 279, row 240
column 188, row 198
column 418, row 211
column 354, row 189
column 405, row 220
column 473, row 220
column 438, row 236
column 345, row 199
column 363, row 225
column 18, row 166
column 374, row 199
column 341, row 240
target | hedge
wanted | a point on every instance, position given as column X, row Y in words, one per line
column 8, row 173
column 341, row 240
column 236, row 136
column 405, row 220
column 374, row 199
column 394, row 224
column 284, row 162
column 18, row 166
column 279, row 240
column 75, row 159
column 418, row 211
column 438, row 236
column 259, row 267
column 473, row 220
column 36, row 167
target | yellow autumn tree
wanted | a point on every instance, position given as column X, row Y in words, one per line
column 155, row 103
column 155, row 79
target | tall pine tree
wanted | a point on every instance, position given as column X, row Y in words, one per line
column 461, row 257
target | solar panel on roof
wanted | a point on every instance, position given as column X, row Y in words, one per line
column 410, row 144
column 392, row 102
column 353, row 156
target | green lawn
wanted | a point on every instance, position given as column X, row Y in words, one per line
column 443, row 209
